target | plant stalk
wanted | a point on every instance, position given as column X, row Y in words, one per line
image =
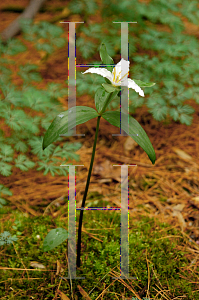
column 106, row 103
column 85, row 194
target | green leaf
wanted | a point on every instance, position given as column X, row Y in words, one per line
column 86, row 47
column 60, row 123
column 4, row 190
column 54, row 238
column 45, row 47
column 105, row 58
column 53, row 30
column 6, row 238
column 6, row 153
column 36, row 144
column 135, row 131
column 2, row 202
column 174, row 113
column 59, row 42
column 143, row 84
column 186, row 119
column 5, row 169
column 101, row 97
column 56, row 90
column 23, row 163
column 14, row 47
column 21, row 146
column 109, row 88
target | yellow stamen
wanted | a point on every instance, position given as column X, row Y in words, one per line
column 114, row 74
column 124, row 75
column 117, row 79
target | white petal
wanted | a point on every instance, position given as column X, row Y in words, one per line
column 100, row 71
column 124, row 64
column 120, row 72
column 134, row 86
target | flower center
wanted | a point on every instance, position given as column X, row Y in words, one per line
column 116, row 78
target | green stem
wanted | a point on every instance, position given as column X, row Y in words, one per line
column 85, row 194
column 106, row 103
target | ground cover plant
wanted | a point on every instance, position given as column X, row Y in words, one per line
column 18, row 107
column 160, row 51
column 159, row 249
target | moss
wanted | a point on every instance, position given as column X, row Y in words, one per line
column 152, row 251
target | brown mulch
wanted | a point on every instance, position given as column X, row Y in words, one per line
column 168, row 190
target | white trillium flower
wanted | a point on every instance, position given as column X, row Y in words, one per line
column 119, row 76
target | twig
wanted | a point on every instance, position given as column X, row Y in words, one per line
column 29, row 13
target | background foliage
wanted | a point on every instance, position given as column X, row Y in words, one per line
column 159, row 51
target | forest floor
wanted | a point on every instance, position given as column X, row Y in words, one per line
column 167, row 191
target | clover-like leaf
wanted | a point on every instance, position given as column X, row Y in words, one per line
column 54, row 238
column 143, row 84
